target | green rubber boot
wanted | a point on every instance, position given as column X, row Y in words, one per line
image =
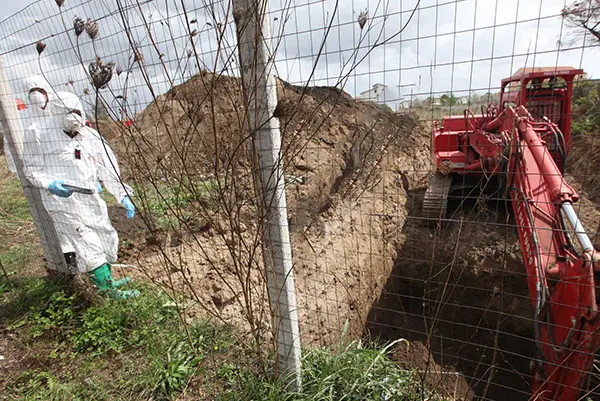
column 102, row 278
column 123, row 294
column 120, row 282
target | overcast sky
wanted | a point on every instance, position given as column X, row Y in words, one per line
column 448, row 45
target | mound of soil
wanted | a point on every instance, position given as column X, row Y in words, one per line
column 348, row 164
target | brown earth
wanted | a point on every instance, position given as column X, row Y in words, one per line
column 584, row 165
column 362, row 252
column 352, row 163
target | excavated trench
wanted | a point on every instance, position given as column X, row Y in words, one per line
column 462, row 291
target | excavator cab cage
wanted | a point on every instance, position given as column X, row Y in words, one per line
column 545, row 94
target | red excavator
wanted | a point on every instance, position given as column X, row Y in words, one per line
column 518, row 151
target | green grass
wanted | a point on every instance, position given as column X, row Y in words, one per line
column 139, row 350
column 354, row 372
column 108, row 198
column 103, row 352
column 13, row 257
column 17, row 231
column 171, row 204
column 13, row 205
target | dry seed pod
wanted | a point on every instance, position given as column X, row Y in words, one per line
column 362, row 18
column 101, row 73
column 78, row 26
column 40, row 46
column 138, row 56
column 119, row 70
column 86, row 91
column 60, row 2
column 91, row 27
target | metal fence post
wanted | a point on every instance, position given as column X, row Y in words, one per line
column 260, row 87
column 13, row 130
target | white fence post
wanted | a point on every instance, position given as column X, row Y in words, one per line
column 260, row 86
column 13, row 130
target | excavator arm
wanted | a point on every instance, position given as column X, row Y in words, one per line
column 559, row 260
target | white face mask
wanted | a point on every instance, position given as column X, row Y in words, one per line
column 38, row 100
column 72, row 122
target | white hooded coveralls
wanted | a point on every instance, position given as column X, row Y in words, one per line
column 27, row 117
column 36, row 119
column 81, row 161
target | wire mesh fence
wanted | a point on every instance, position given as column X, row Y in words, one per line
column 362, row 88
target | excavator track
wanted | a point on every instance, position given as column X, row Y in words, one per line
column 435, row 201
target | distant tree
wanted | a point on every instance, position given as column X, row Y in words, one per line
column 385, row 107
column 584, row 17
column 586, row 108
column 448, row 99
column 474, row 98
column 429, row 101
column 488, row 97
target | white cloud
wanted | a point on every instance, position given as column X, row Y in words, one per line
column 449, row 45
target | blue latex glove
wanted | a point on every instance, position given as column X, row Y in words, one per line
column 56, row 187
column 99, row 187
column 126, row 202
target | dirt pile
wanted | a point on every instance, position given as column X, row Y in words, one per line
column 348, row 167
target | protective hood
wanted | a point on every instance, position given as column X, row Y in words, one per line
column 36, row 99
column 67, row 101
column 36, row 81
column 68, row 111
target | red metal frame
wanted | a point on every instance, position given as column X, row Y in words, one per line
column 562, row 95
column 560, row 276
column 450, row 139
column 566, row 315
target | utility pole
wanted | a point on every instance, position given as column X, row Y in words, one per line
column 260, row 91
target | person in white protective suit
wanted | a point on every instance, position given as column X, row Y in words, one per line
column 58, row 101
column 67, row 158
column 36, row 117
